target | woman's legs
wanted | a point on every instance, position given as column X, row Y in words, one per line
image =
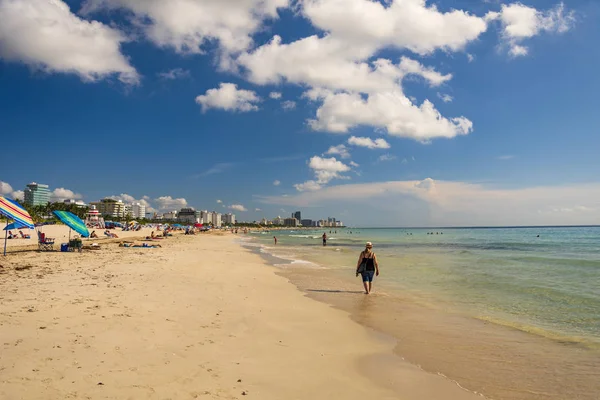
column 367, row 286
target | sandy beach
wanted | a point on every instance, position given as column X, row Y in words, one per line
column 201, row 317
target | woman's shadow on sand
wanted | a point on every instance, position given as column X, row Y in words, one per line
column 335, row 291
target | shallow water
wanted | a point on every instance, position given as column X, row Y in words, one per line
column 500, row 310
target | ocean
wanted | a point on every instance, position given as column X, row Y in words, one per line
column 526, row 289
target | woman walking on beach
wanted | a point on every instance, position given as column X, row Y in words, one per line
column 367, row 266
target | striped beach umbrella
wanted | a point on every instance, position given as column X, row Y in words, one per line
column 13, row 210
column 73, row 222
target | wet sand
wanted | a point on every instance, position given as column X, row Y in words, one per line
column 499, row 362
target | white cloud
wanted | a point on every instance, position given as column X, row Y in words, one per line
column 188, row 25
column 325, row 170
column 386, row 157
column 405, row 24
column 288, row 105
column 520, row 22
column 176, row 73
column 470, row 57
column 340, row 150
column 448, row 203
column 446, row 98
column 257, row 209
column 228, row 97
column 170, row 203
column 276, row 183
column 219, row 201
column 5, row 188
column 391, row 111
column 61, row 194
column 18, row 195
column 352, row 163
column 237, row 207
column 368, row 142
column 46, row 35
column 275, row 95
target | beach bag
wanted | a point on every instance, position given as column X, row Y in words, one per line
column 363, row 266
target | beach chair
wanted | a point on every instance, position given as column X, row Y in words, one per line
column 24, row 236
column 44, row 243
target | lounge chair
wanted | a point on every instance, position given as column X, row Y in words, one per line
column 44, row 243
column 24, row 236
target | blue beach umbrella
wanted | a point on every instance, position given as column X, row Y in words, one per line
column 73, row 222
column 15, row 226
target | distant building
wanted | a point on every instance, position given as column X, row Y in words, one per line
column 138, row 211
column 151, row 215
column 216, row 219
column 37, row 194
column 307, row 222
column 188, row 215
column 110, row 208
column 228, row 219
column 77, row 203
column 206, row 217
column 278, row 221
column 297, row 215
column 290, row 222
column 170, row 216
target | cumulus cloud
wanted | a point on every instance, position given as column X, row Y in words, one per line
column 62, row 194
column 275, row 95
column 340, row 150
column 391, row 111
column 368, row 142
column 47, row 36
column 5, row 188
column 276, row 183
column 325, row 170
column 175, row 73
column 170, row 203
column 187, row 26
column 219, row 201
column 228, row 97
column 237, row 207
column 520, row 22
column 18, row 195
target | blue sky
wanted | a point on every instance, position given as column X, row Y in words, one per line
column 485, row 111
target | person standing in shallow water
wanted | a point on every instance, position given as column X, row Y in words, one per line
column 370, row 267
column 324, row 239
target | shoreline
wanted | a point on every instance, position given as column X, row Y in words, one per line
column 201, row 317
column 497, row 360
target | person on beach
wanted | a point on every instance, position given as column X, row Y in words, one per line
column 324, row 239
column 275, row 239
column 367, row 266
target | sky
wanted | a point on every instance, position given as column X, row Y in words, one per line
column 377, row 113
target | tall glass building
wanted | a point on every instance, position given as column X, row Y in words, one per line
column 37, row 194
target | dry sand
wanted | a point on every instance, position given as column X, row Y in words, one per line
column 200, row 317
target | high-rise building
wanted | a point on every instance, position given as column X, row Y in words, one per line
column 297, row 215
column 290, row 222
column 37, row 194
column 307, row 222
column 229, row 219
column 110, row 207
column 216, row 219
column 138, row 210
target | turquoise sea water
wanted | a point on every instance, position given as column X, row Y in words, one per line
column 547, row 285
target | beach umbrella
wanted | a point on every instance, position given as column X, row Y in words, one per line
column 13, row 210
column 73, row 222
column 198, row 225
column 15, row 226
